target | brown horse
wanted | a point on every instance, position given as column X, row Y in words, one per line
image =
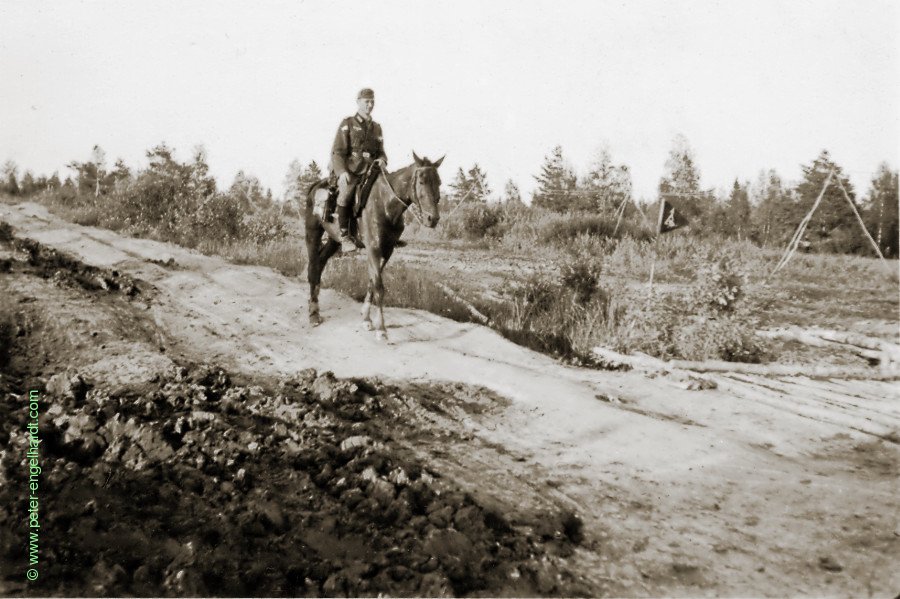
column 415, row 187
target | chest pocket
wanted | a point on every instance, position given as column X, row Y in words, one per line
column 358, row 137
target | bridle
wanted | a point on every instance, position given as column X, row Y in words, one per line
column 415, row 194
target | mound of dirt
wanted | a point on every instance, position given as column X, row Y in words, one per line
column 194, row 486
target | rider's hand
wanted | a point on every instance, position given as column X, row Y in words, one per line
column 344, row 179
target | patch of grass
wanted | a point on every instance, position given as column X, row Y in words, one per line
column 405, row 287
column 286, row 255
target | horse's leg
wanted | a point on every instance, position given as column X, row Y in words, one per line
column 367, row 308
column 376, row 285
column 316, row 267
column 379, row 315
column 313, row 272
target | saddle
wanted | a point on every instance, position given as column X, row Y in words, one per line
column 325, row 198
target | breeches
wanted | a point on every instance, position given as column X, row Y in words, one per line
column 345, row 191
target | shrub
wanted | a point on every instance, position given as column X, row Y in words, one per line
column 581, row 276
column 682, row 326
column 264, row 226
column 218, row 217
column 563, row 230
column 475, row 221
column 719, row 287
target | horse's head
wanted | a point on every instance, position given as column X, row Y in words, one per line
column 426, row 189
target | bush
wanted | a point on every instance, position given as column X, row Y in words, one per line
column 564, row 230
column 705, row 322
column 719, row 287
column 218, row 217
column 475, row 221
column 581, row 276
column 565, row 314
column 264, row 226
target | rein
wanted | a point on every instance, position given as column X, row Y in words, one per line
column 395, row 196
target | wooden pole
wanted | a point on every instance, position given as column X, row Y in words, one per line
column 662, row 207
column 860, row 220
column 801, row 229
column 621, row 213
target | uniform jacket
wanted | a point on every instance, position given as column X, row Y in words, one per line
column 358, row 142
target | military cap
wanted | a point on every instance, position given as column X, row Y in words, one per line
column 366, row 93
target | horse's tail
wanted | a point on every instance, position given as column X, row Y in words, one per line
column 312, row 190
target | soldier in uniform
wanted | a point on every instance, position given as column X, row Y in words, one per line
column 357, row 145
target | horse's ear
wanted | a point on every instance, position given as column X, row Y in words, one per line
column 417, row 159
column 439, row 161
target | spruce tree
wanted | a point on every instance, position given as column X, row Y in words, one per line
column 310, row 175
column 738, row 211
column 28, row 184
column 556, row 184
column 511, row 193
column 460, row 185
column 605, row 186
column 881, row 210
column 477, row 182
column 10, row 182
column 773, row 214
column 680, row 184
column 833, row 227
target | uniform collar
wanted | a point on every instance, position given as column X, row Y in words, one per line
column 359, row 119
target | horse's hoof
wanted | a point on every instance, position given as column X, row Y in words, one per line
column 315, row 320
column 369, row 325
column 381, row 336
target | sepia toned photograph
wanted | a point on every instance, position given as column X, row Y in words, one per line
column 449, row 299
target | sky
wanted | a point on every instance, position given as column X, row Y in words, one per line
column 751, row 85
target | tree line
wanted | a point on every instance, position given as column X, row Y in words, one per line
column 765, row 211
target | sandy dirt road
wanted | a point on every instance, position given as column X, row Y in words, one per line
column 760, row 487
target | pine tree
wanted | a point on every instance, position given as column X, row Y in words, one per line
column 460, row 186
column 291, row 182
column 605, row 186
column 680, row 185
column 121, row 171
column 10, row 182
column 881, row 210
column 477, row 182
column 29, row 186
column 833, row 227
column 249, row 191
column 556, row 183
column 773, row 212
column 511, row 193
column 310, row 175
column 201, row 183
column 738, row 211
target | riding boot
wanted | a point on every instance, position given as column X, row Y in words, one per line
column 347, row 244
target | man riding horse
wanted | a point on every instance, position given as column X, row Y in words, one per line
column 357, row 145
column 359, row 149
